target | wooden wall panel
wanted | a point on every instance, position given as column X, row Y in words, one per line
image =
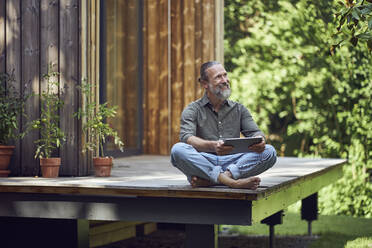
column 69, row 79
column 30, row 12
column 131, row 83
column 163, row 74
column 84, row 158
column 49, row 44
column 192, row 42
column 145, row 103
column 13, row 63
column 124, row 82
column 177, row 64
column 208, row 40
column 156, row 77
column 153, row 79
column 2, row 37
column 93, row 69
column 36, row 34
column 189, row 80
column 198, row 43
column 111, row 8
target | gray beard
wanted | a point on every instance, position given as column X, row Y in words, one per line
column 221, row 93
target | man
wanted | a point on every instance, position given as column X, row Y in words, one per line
column 201, row 155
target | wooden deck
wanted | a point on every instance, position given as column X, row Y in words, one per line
column 149, row 175
column 149, row 188
column 154, row 176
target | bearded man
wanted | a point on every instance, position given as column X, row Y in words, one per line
column 201, row 155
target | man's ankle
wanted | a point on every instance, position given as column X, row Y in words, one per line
column 228, row 173
column 226, row 179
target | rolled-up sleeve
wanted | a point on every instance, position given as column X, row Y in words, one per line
column 188, row 123
column 248, row 126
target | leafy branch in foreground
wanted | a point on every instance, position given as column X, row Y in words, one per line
column 354, row 24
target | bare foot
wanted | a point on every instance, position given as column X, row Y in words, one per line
column 243, row 183
column 200, row 182
column 247, row 183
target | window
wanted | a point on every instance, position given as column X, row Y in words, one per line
column 121, row 65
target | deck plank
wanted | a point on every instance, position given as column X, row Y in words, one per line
column 151, row 175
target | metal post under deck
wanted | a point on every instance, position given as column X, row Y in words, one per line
column 309, row 210
column 273, row 220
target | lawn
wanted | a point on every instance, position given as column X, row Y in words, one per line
column 333, row 231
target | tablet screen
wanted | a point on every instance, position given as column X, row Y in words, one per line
column 241, row 144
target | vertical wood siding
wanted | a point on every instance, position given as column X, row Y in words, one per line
column 30, row 71
column 35, row 34
column 12, row 55
column 69, row 79
column 192, row 41
column 156, row 112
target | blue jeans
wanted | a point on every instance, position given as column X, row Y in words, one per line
column 209, row 166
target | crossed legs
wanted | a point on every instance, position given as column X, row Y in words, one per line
column 235, row 171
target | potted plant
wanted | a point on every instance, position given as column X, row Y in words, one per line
column 51, row 136
column 11, row 108
column 97, row 130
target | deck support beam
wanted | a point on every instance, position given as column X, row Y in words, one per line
column 271, row 221
column 309, row 210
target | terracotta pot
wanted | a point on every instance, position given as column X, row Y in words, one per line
column 102, row 166
column 50, row 167
column 5, row 155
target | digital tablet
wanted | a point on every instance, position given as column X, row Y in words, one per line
column 241, row 144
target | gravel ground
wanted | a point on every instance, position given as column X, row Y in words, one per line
column 176, row 239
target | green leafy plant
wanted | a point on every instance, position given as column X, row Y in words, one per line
column 354, row 23
column 11, row 108
column 95, row 128
column 51, row 135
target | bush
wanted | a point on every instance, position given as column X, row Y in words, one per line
column 348, row 196
column 360, row 243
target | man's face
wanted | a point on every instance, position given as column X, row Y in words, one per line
column 218, row 82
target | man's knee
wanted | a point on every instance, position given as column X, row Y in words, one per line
column 270, row 154
column 178, row 148
column 178, row 151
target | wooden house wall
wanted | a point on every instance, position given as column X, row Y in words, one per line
column 35, row 34
column 178, row 35
column 175, row 45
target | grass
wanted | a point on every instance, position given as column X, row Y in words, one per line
column 333, row 231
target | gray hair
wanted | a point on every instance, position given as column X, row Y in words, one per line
column 204, row 67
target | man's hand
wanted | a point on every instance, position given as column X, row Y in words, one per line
column 260, row 147
column 221, row 149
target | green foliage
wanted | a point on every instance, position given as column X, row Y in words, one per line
column 51, row 136
column 347, row 196
column 95, row 128
column 308, row 102
column 11, row 109
column 363, row 242
column 354, row 21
